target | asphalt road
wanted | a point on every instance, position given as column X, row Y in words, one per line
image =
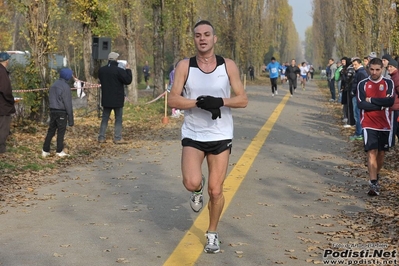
column 133, row 209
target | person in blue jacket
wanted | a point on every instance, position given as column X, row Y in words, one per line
column 274, row 67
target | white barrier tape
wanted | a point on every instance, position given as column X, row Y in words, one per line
column 162, row 94
column 86, row 85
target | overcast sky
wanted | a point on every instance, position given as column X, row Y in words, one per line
column 302, row 10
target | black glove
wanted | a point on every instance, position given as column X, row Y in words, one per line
column 215, row 113
column 209, row 102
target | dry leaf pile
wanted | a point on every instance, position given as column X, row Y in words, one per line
column 378, row 222
column 22, row 169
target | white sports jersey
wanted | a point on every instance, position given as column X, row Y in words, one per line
column 198, row 124
column 304, row 70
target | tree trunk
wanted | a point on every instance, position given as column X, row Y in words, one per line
column 88, row 65
column 132, row 89
column 158, row 53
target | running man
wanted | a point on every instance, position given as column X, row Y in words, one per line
column 282, row 75
column 304, row 74
column 273, row 67
column 202, row 88
column 292, row 72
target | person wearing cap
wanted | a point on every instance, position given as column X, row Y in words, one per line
column 394, row 73
column 374, row 97
column 385, row 59
column 61, row 113
column 360, row 74
column 372, row 55
column 113, row 80
column 273, row 67
column 7, row 107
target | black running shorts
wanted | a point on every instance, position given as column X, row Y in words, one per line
column 212, row 147
column 376, row 140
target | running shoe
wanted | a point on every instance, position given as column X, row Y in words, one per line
column 276, row 92
column 45, row 154
column 196, row 198
column 62, row 154
column 212, row 243
column 356, row 137
column 374, row 189
column 273, row 94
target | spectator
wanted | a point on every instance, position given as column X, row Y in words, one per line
column 346, row 75
column 311, row 71
column 146, row 72
column 251, row 71
column 330, row 72
column 61, row 113
column 360, row 74
column 394, row 73
column 7, row 107
column 113, row 80
column 385, row 59
column 374, row 95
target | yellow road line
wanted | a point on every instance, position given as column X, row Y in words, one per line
column 190, row 247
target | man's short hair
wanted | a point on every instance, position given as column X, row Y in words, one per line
column 204, row 22
column 376, row 61
column 356, row 59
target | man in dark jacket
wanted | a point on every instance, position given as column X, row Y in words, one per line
column 360, row 74
column 292, row 72
column 7, row 107
column 61, row 112
column 113, row 80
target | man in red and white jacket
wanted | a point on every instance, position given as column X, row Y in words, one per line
column 375, row 95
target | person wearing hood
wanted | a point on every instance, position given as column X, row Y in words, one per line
column 7, row 107
column 61, row 112
column 385, row 60
column 113, row 80
column 347, row 75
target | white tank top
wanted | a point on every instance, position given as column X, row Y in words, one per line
column 198, row 124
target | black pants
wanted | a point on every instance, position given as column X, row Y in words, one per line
column 292, row 83
column 395, row 128
column 5, row 121
column 351, row 118
column 58, row 122
column 274, row 84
